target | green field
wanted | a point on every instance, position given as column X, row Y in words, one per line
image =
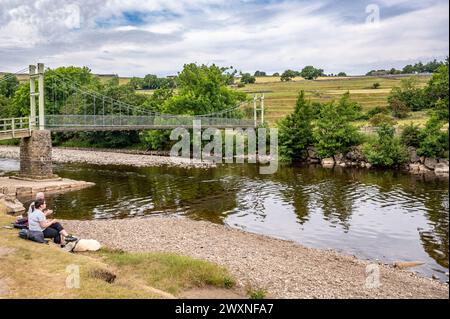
column 280, row 96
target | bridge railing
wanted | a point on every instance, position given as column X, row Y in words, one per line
column 15, row 125
column 136, row 122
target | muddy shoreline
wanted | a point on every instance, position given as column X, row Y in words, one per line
column 283, row 268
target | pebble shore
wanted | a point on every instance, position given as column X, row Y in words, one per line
column 284, row 268
column 92, row 156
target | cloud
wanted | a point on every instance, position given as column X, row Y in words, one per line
column 138, row 37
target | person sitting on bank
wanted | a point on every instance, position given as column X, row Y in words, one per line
column 39, row 227
column 40, row 195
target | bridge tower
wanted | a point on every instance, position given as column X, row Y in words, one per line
column 36, row 150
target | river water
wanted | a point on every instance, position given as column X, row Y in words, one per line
column 378, row 215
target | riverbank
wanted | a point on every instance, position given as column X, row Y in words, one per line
column 282, row 268
column 92, row 156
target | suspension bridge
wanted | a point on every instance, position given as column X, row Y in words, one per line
column 67, row 106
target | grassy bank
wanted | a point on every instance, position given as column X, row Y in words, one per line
column 31, row 270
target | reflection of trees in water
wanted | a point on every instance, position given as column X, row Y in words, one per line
column 435, row 242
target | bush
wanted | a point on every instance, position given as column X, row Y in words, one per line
column 410, row 135
column 295, row 130
column 247, row 78
column 398, row 108
column 409, row 95
column 377, row 110
column 376, row 85
column 433, row 141
column 310, row 73
column 381, row 118
column 334, row 133
column 288, row 75
column 386, row 150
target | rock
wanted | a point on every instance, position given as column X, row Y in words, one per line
column 443, row 161
column 328, row 162
column 312, row 154
column 314, row 160
column 414, row 168
column 338, row 158
column 407, row 264
column 342, row 164
column 413, row 157
column 430, row 163
column 423, row 169
column 356, row 154
column 441, row 169
column 368, row 165
column 434, row 277
column 10, row 205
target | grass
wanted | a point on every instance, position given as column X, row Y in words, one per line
column 32, row 270
column 280, row 97
column 258, row 293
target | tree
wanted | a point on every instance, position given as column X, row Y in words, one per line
column 260, row 73
column 410, row 135
column 136, row 83
column 276, row 74
column 295, row 130
column 8, row 84
column 310, row 73
column 247, row 78
column 437, row 91
column 342, row 74
column 433, row 141
column 386, row 150
column 380, row 118
column 288, row 75
column 334, row 133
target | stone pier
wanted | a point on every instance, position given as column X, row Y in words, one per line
column 36, row 156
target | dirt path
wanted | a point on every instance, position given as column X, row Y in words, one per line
column 285, row 269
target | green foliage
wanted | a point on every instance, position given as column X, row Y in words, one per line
column 376, row 85
column 8, row 84
column 410, row 135
column 295, row 131
column 398, row 108
column 380, row 118
column 310, row 73
column 433, row 141
column 342, row 74
column 408, row 95
column 377, row 110
column 257, row 293
column 247, row 78
column 153, row 82
column 288, row 75
column 334, row 133
column 437, row 92
column 260, row 73
column 157, row 140
column 276, row 74
column 386, row 150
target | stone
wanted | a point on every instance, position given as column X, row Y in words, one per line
column 312, row 153
column 414, row 168
column 10, row 205
column 407, row 264
column 430, row 163
column 342, row 164
column 441, row 169
column 328, row 162
column 338, row 158
column 24, row 191
column 36, row 155
column 412, row 153
column 423, row 169
column 356, row 154
column 368, row 165
column 443, row 161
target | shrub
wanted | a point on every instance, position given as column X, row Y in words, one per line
column 410, row 135
column 377, row 110
column 334, row 133
column 295, row 130
column 398, row 108
column 381, row 118
column 409, row 95
column 247, row 78
column 376, row 85
column 433, row 141
column 288, row 75
column 386, row 150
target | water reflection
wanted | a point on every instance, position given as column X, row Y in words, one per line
column 385, row 215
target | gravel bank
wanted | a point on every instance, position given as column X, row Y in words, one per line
column 285, row 269
column 65, row 155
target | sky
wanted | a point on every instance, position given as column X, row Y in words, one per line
column 138, row 37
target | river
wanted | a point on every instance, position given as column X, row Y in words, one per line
column 378, row 215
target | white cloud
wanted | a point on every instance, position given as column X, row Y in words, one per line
column 270, row 36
